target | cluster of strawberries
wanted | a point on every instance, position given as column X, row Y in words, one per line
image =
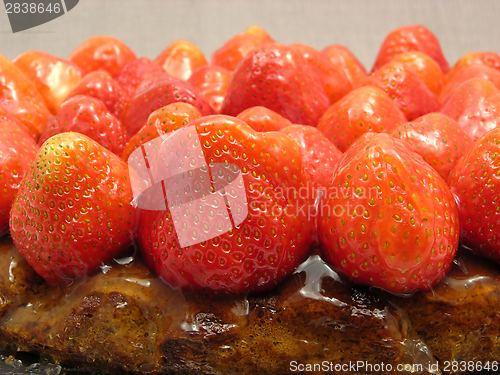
column 387, row 171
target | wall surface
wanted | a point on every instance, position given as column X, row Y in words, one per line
column 148, row 26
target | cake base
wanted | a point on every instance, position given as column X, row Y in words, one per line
column 124, row 319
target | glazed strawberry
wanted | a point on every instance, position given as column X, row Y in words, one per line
column 490, row 59
column 319, row 155
column 73, row 210
column 262, row 119
column 17, row 151
column 390, row 220
column 465, row 73
column 236, row 48
column 180, row 59
column 135, row 72
column 424, row 67
column 344, row 61
column 404, row 87
column 411, row 38
column 473, row 182
column 102, row 53
column 277, row 77
column 367, row 109
column 475, row 105
column 102, row 86
column 212, row 81
column 7, row 117
column 53, row 77
column 88, row 116
column 19, row 96
column 194, row 245
column 162, row 121
column 158, row 91
column 438, row 139
column 334, row 81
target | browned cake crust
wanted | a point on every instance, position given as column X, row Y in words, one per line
column 126, row 320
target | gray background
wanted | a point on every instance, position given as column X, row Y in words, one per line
column 148, row 26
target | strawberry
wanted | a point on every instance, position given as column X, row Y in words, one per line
column 403, row 86
column 236, row 48
column 88, row 116
column 7, row 117
column 438, row 139
column 73, row 209
column 276, row 76
column 410, row 38
column 334, row 81
column 158, row 91
column 367, row 109
column 53, row 77
column 180, row 59
column 490, row 59
column 19, row 96
column 262, row 119
column 272, row 230
column 102, row 86
column 212, row 82
column 424, row 67
column 475, row 105
column 319, row 155
column 344, row 61
column 102, row 53
column 135, row 72
column 465, row 73
column 162, row 121
column 389, row 219
column 17, row 150
column 473, row 182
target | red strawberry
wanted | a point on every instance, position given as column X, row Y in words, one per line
column 262, row 119
column 465, row 73
column 490, row 59
column 17, row 150
column 236, row 48
column 334, row 81
column 276, row 76
column 135, row 72
column 438, row 139
column 319, row 155
column 7, row 117
column 212, row 81
column 102, row 53
column 162, row 121
column 344, row 61
column 411, row 38
column 180, row 59
column 88, row 116
column 102, row 86
column 19, row 96
column 73, row 210
column 424, row 67
column 475, row 105
column 474, row 182
column 403, row 86
column 53, row 77
column 390, row 220
column 367, row 109
column 264, row 245
column 158, row 91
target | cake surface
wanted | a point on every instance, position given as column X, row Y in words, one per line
column 124, row 319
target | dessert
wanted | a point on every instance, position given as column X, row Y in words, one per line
column 198, row 243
